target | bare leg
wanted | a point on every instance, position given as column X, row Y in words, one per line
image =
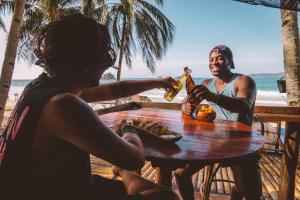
column 135, row 184
column 248, row 180
column 184, row 180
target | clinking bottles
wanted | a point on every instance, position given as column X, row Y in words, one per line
column 171, row 93
column 189, row 83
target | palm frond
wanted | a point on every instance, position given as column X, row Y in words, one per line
column 2, row 25
column 145, row 46
column 146, row 26
column 25, row 50
column 159, row 2
column 68, row 3
column 66, row 11
column 7, row 7
column 163, row 22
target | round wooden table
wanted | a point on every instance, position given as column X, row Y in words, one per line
column 221, row 141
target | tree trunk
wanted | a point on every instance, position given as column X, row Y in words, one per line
column 88, row 8
column 121, row 52
column 10, row 54
column 290, row 39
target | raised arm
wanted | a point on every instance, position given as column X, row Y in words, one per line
column 69, row 118
column 245, row 97
column 241, row 103
column 123, row 89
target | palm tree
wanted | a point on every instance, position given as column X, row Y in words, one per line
column 37, row 14
column 133, row 22
column 10, row 54
column 291, row 51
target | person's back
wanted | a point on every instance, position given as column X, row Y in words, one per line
column 30, row 161
column 44, row 151
column 63, row 168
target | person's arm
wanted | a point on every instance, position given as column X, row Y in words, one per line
column 244, row 100
column 123, row 89
column 242, row 103
column 70, row 119
column 186, row 107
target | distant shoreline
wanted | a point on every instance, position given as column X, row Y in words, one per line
column 267, row 74
column 280, row 74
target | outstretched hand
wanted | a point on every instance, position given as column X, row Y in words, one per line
column 166, row 82
column 186, row 108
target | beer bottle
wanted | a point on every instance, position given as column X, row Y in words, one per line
column 189, row 83
column 171, row 93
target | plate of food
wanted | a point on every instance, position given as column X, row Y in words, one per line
column 154, row 130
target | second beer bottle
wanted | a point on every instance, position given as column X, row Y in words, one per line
column 189, row 84
column 171, row 93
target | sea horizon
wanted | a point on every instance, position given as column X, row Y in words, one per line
column 267, row 90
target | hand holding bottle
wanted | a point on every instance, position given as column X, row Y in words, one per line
column 199, row 93
column 166, row 82
column 187, row 108
column 176, row 87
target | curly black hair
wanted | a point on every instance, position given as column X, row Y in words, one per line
column 74, row 43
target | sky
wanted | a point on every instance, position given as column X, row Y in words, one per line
column 252, row 32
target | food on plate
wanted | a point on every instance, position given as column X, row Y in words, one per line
column 153, row 127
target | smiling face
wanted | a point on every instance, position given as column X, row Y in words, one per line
column 218, row 64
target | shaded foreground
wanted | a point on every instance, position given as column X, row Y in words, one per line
column 270, row 168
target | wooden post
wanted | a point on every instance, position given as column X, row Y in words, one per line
column 289, row 161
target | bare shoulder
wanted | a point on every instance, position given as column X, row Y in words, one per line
column 205, row 82
column 64, row 98
column 66, row 115
column 244, row 80
column 68, row 107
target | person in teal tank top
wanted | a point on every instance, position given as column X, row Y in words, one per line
column 232, row 96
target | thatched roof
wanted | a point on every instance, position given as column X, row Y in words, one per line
column 284, row 4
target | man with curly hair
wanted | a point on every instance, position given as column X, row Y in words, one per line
column 44, row 150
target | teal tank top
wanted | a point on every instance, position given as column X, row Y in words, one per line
column 230, row 92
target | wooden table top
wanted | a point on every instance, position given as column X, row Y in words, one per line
column 202, row 142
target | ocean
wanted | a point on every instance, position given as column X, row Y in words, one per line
column 267, row 91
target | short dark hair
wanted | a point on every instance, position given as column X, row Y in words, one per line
column 74, row 43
